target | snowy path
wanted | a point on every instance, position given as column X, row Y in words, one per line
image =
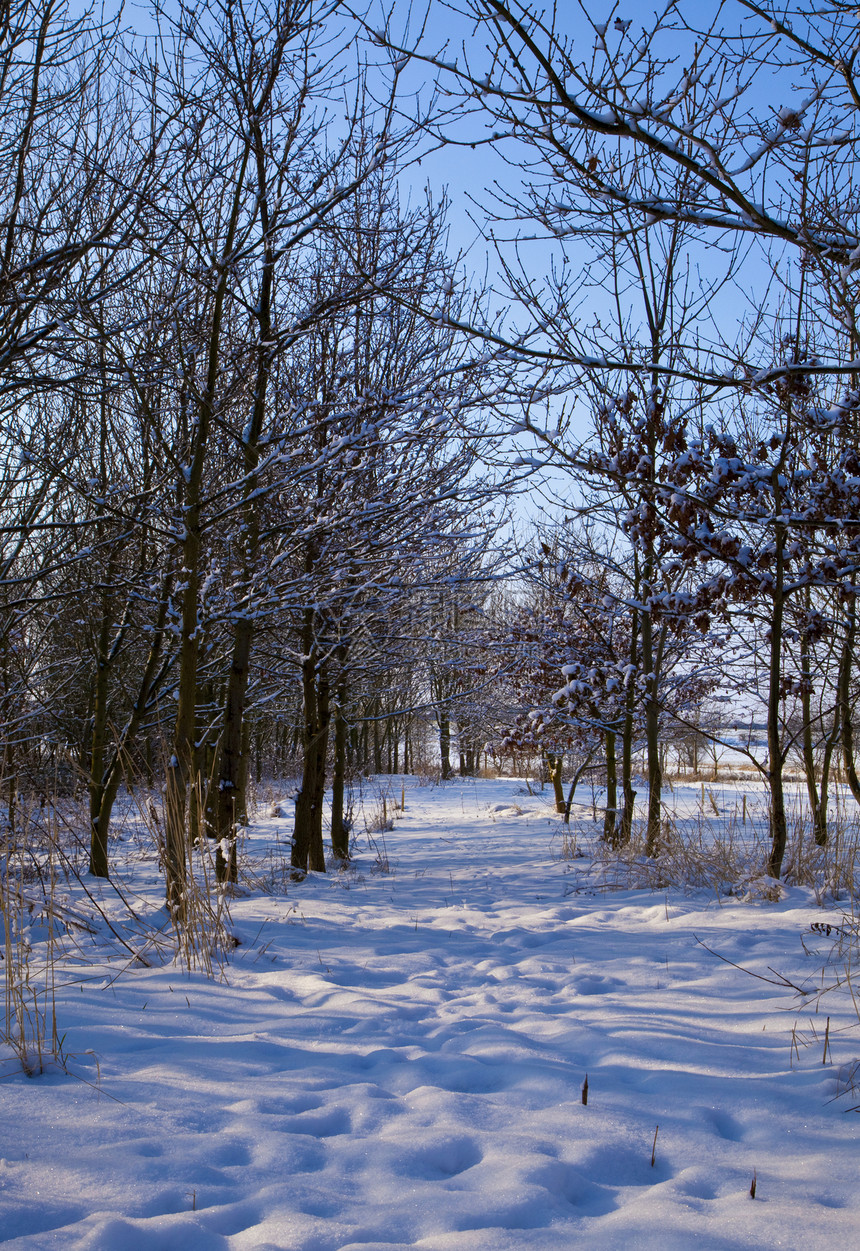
column 397, row 1062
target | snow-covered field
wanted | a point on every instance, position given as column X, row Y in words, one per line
column 395, row 1057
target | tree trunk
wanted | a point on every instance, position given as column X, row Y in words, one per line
column 9, row 777
column 98, row 829
column 625, row 828
column 818, row 810
column 202, row 798
column 651, row 667
column 554, row 765
column 826, row 761
column 445, row 744
column 233, row 763
column 181, row 764
column 574, row 782
column 259, row 744
column 308, row 853
column 377, row 742
column 229, row 800
column 610, row 816
column 846, row 665
column 778, row 822
column 339, row 831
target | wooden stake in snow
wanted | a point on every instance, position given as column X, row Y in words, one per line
column 654, row 1147
column 585, row 1091
column 752, row 1186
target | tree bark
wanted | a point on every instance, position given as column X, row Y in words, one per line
column 445, row 744
column 339, row 831
column 652, row 738
column 308, row 853
column 818, row 810
column 625, row 826
column 554, row 765
column 610, row 816
column 844, row 694
column 229, row 800
column 181, row 764
column 778, row 822
column 98, row 830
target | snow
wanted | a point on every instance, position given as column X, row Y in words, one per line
column 394, row 1056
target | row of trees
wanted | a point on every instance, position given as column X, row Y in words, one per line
column 702, row 307
column 228, row 468
column 258, row 438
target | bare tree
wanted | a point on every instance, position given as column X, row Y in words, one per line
column 625, row 142
column 250, row 181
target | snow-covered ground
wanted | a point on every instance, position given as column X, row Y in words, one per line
column 394, row 1057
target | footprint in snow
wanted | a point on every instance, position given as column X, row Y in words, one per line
column 324, row 1123
column 446, row 1157
column 594, row 984
column 724, row 1124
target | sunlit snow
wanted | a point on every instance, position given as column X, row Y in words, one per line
column 394, row 1056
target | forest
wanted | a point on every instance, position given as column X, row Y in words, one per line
column 429, row 549
column 290, row 489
